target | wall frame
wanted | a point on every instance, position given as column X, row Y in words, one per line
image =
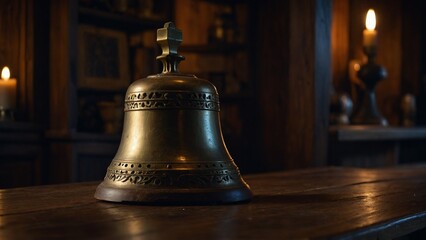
column 102, row 59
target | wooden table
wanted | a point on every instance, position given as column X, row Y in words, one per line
column 315, row 203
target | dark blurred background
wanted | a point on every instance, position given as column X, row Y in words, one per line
column 278, row 67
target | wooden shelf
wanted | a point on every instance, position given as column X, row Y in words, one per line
column 18, row 127
column 124, row 22
column 11, row 132
column 377, row 133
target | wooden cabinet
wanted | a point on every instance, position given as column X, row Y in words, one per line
column 97, row 49
column 21, row 155
column 77, row 157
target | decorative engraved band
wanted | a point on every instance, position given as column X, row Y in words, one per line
column 216, row 174
column 171, row 100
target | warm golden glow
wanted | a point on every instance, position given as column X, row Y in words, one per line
column 5, row 73
column 357, row 67
column 370, row 20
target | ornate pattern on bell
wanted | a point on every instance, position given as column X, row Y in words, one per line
column 172, row 149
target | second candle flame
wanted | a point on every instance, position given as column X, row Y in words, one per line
column 370, row 20
column 5, row 73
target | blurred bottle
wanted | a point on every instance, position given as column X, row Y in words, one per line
column 408, row 110
column 340, row 109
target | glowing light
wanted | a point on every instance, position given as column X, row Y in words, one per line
column 370, row 20
column 5, row 73
column 357, row 67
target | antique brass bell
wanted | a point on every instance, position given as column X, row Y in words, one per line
column 172, row 149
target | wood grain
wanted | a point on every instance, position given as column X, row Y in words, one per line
column 63, row 101
column 294, row 75
column 10, row 30
column 411, row 37
column 340, row 45
column 272, row 79
column 314, row 203
column 17, row 51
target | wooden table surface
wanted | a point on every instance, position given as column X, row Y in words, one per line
column 315, row 203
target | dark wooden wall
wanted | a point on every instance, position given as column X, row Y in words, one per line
column 340, row 45
column 41, row 63
column 413, row 56
column 294, row 81
column 16, row 51
column 21, row 142
column 63, row 66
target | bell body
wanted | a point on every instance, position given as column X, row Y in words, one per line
column 172, row 149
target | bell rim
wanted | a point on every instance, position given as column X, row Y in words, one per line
column 172, row 196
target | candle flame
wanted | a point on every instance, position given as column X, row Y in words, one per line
column 370, row 20
column 5, row 73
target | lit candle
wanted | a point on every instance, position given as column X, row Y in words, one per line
column 7, row 90
column 370, row 34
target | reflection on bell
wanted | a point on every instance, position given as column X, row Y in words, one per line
column 172, row 149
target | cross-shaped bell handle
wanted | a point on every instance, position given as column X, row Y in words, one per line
column 169, row 38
